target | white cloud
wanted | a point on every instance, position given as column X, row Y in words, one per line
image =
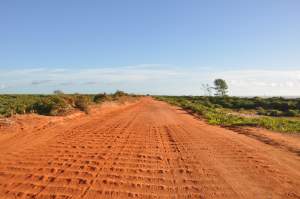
column 41, row 82
column 152, row 78
column 263, row 82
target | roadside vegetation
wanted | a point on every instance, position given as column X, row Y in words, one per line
column 52, row 105
column 215, row 114
column 276, row 113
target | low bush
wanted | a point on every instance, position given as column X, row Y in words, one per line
column 56, row 104
column 82, row 103
column 261, row 111
column 219, row 117
column 17, row 104
column 119, row 94
column 291, row 113
column 101, row 98
column 269, row 106
column 52, row 105
column 274, row 113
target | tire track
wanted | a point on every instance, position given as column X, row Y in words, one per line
column 62, row 144
column 116, row 138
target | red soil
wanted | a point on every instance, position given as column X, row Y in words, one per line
column 147, row 149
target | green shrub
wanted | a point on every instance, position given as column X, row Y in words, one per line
column 53, row 105
column 219, row 117
column 82, row 103
column 241, row 109
column 297, row 105
column 261, row 111
column 275, row 113
column 268, row 104
column 101, row 98
column 291, row 113
column 56, row 104
column 118, row 94
column 16, row 104
column 217, row 106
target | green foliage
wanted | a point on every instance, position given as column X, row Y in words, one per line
column 292, row 113
column 220, row 87
column 52, row 105
column 101, row 97
column 82, row 103
column 275, row 113
column 119, row 94
column 17, row 104
column 297, row 105
column 218, row 116
column 261, row 111
column 56, row 104
column 274, row 106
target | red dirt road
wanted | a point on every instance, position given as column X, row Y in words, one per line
column 146, row 150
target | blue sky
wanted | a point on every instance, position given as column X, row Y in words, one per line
column 158, row 47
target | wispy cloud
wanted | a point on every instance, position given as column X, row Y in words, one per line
column 264, row 82
column 66, row 83
column 152, row 78
column 90, row 83
column 41, row 82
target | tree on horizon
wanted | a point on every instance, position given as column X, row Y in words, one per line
column 221, row 87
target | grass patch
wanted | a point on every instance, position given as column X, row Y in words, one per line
column 217, row 116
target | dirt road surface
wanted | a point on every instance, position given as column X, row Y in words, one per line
column 146, row 150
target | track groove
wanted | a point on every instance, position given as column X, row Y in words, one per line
column 115, row 139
